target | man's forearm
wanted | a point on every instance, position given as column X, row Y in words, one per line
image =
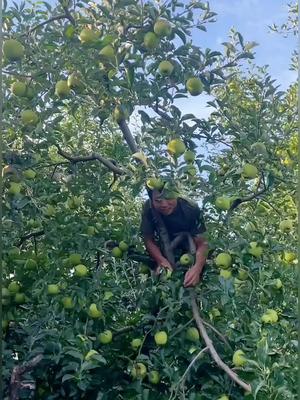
column 154, row 250
column 201, row 253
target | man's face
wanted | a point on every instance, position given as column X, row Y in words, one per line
column 164, row 206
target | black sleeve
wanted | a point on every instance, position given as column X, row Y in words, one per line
column 147, row 227
column 195, row 217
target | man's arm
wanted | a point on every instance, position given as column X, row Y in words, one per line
column 192, row 277
column 156, row 254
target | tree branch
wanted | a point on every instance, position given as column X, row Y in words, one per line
column 18, row 371
column 162, row 114
column 74, row 159
column 30, row 235
column 128, row 136
column 55, row 18
column 232, row 375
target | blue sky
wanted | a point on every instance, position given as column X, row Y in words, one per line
column 251, row 18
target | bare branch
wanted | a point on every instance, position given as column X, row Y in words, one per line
column 30, row 235
column 94, row 156
column 18, row 371
column 232, row 375
column 128, row 136
column 222, row 337
column 55, row 18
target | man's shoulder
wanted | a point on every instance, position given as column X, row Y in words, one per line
column 188, row 205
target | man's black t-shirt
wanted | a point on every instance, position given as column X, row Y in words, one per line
column 187, row 217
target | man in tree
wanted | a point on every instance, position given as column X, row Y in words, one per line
column 178, row 215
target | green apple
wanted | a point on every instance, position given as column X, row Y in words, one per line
column 53, row 289
column 215, row 312
column 139, row 371
column 49, row 211
column 93, row 311
column 91, row 230
column 223, row 203
column 29, row 174
column 259, row 148
column 165, row 68
column 186, row 260
column 108, row 52
column 117, row 252
column 189, row 156
column 123, row 246
column 239, row 358
column 74, row 259
column 62, row 89
column 13, row 287
column 18, row 88
column 192, row 334
column 286, row 225
column 176, row 147
column 75, row 81
column 225, row 273
column 243, row 274
column 255, row 250
column 161, row 338
column 249, row 171
column 88, row 36
column 151, row 40
column 30, row 264
column 269, row 317
column 13, row 50
column 14, row 188
column 289, row 257
column 29, row 118
column 81, row 270
column 105, row 337
column 108, row 295
column 90, row 354
column 155, row 183
column 278, row 284
column 154, row 377
column 19, row 298
column 223, row 397
column 136, row 343
column 223, row 260
column 194, row 86
column 162, row 28
column 67, row 302
column 13, row 253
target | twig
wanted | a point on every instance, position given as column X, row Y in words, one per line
column 182, row 379
column 30, row 235
column 91, row 157
column 232, row 375
column 128, row 136
column 222, row 337
column 55, row 18
column 161, row 113
column 18, row 371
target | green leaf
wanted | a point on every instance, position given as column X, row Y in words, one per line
column 67, row 377
column 130, row 75
column 181, row 35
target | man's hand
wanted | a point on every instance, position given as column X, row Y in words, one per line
column 163, row 263
column 192, row 276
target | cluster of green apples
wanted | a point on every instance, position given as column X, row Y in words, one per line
column 119, row 250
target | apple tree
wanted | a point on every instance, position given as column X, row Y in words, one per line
column 92, row 111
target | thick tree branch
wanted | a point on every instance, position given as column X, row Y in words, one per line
column 18, row 371
column 128, row 136
column 232, row 375
column 75, row 159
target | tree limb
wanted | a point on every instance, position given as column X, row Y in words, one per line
column 232, row 375
column 30, row 235
column 94, row 156
column 128, row 136
column 18, row 371
column 55, row 18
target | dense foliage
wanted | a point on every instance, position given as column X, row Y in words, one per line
column 102, row 111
